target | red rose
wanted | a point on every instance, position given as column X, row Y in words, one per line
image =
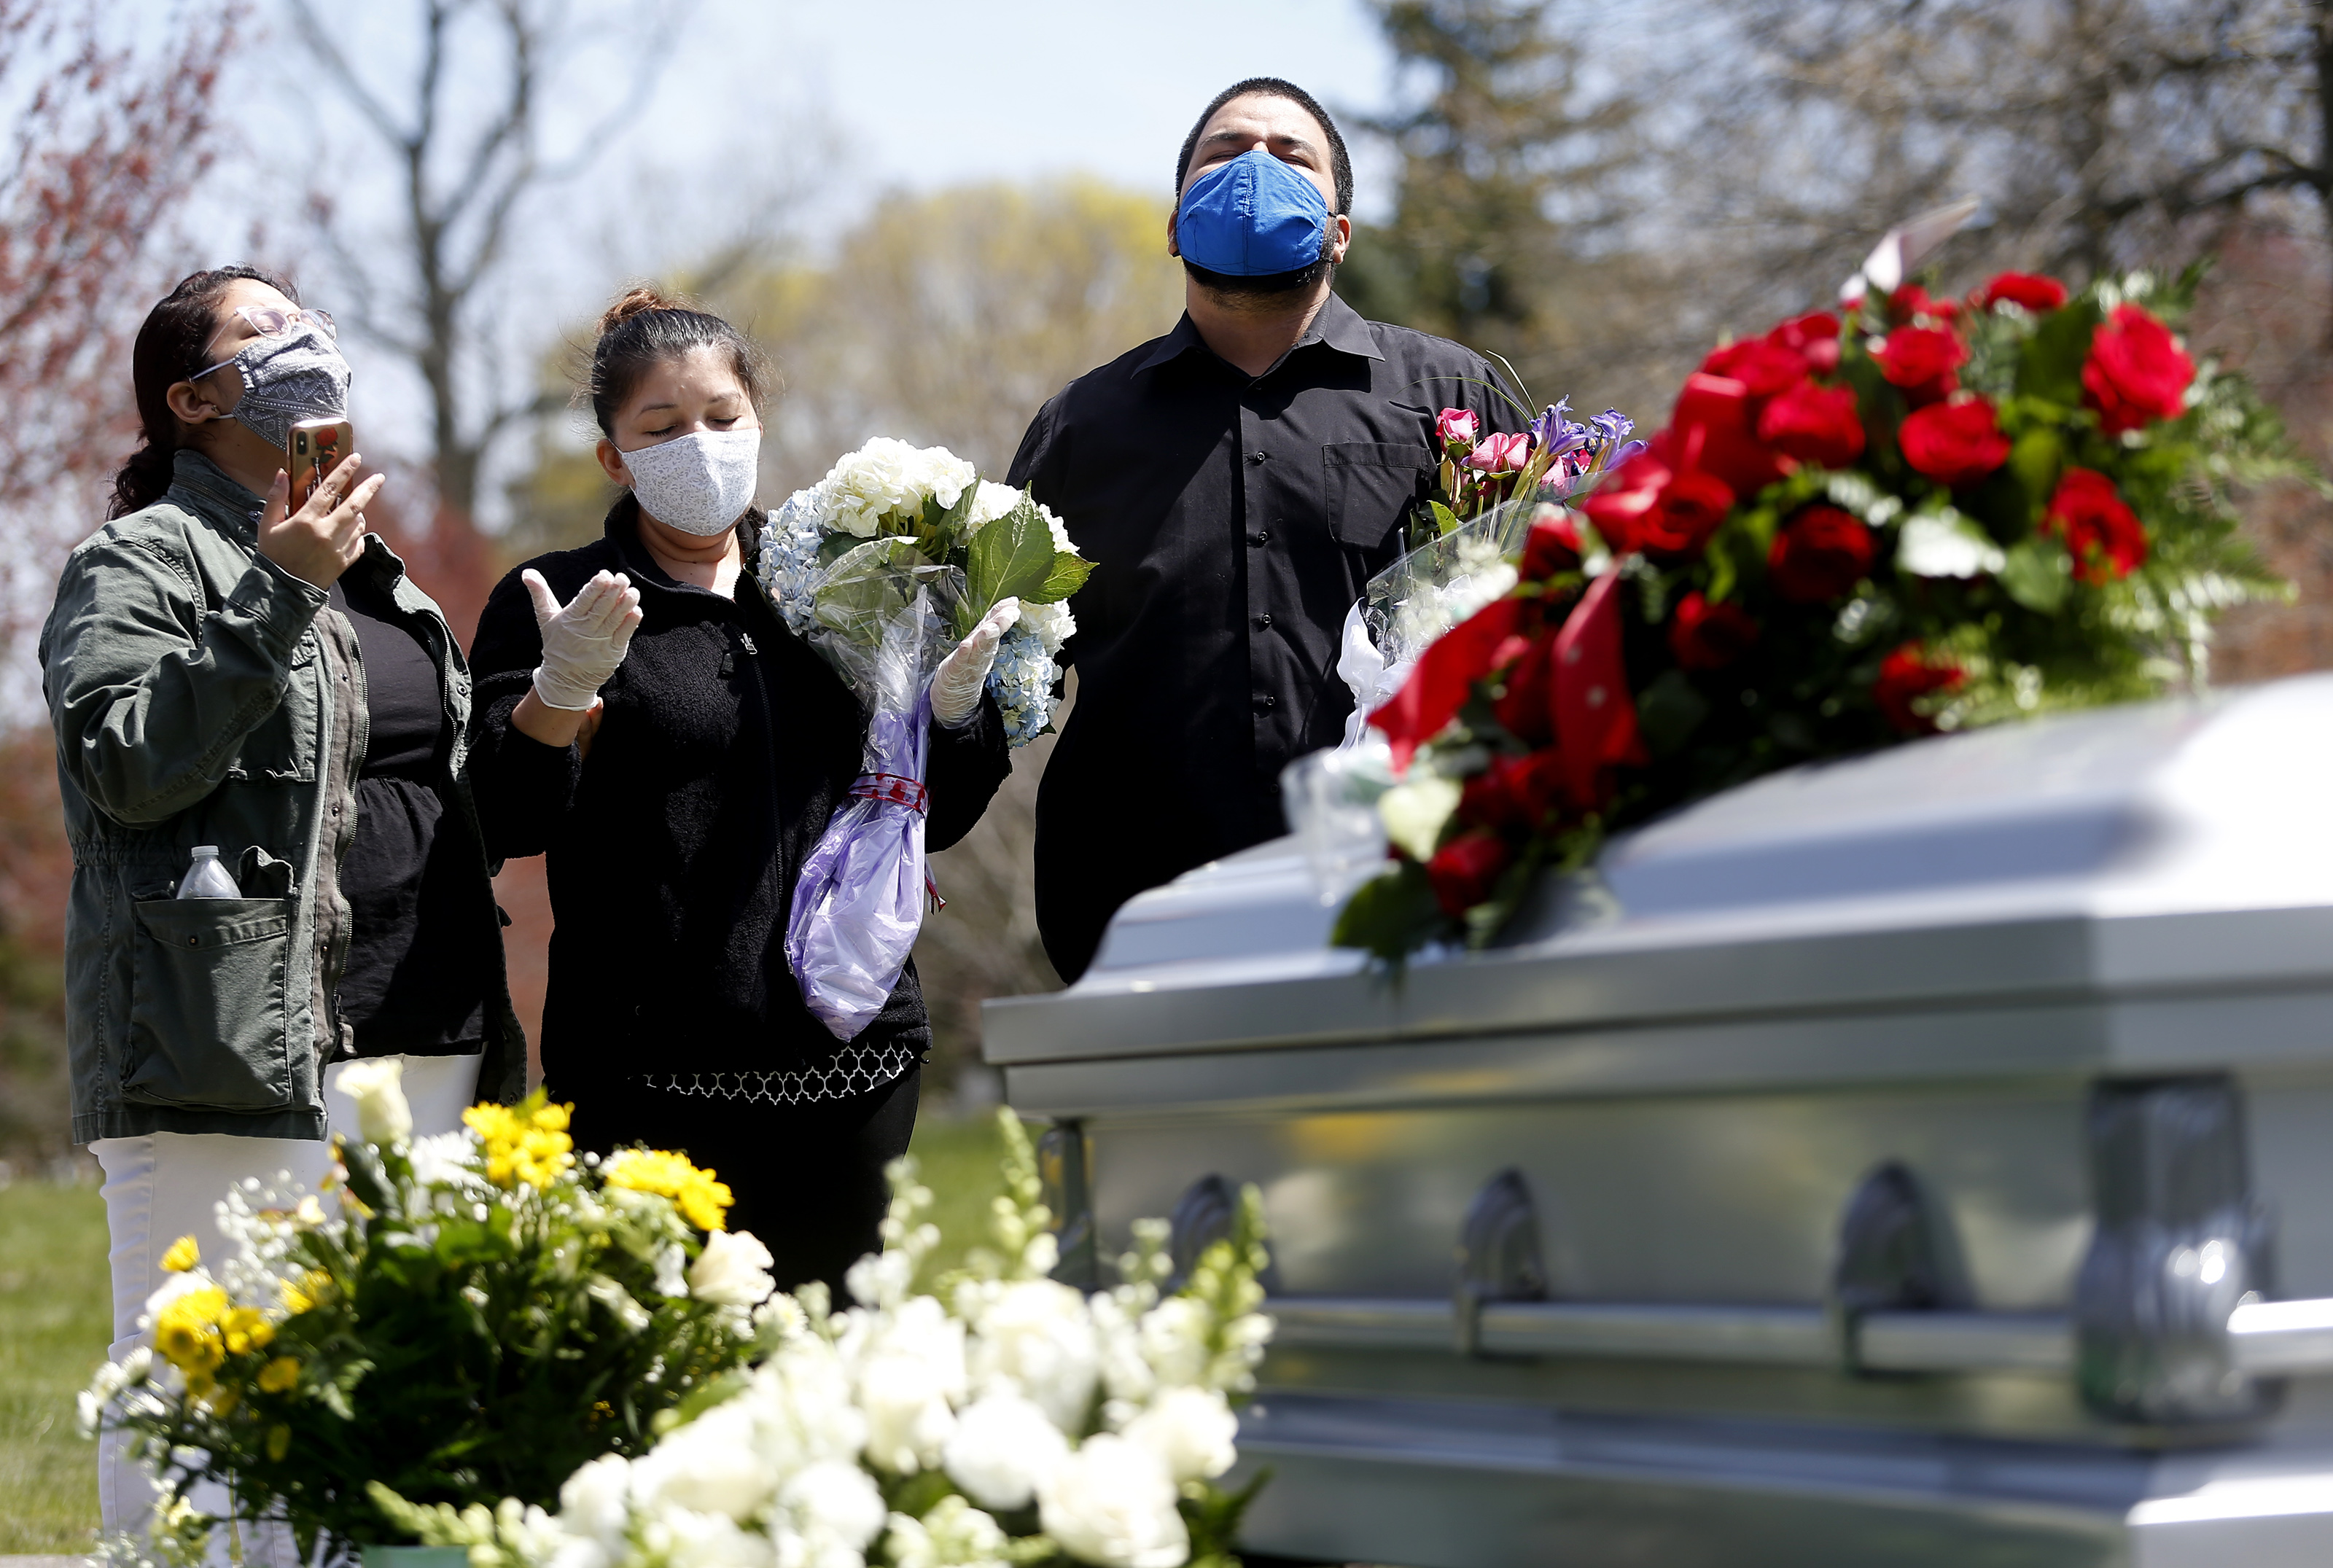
column 1524, row 707
column 1760, row 364
column 1595, row 716
column 1813, row 337
column 1513, row 791
column 1905, row 674
column 1912, row 300
column 1816, row 425
column 1922, row 362
column 1712, row 429
column 1820, row 555
column 1953, row 444
column 2101, row 533
column 2136, row 372
column 1465, row 871
column 1552, row 546
column 1708, row 636
column 2030, row 290
column 1653, row 509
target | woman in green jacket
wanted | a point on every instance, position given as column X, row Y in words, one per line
column 223, row 670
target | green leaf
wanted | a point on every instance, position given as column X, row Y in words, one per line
column 1668, row 711
column 1392, row 915
column 1445, row 521
column 1069, row 575
column 2051, row 363
column 1011, row 558
column 868, row 586
column 2039, row 574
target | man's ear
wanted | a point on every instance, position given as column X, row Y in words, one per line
column 1174, row 247
column 1344, row 239
column 611, row 462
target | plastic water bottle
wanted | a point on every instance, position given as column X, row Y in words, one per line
column 207, row 879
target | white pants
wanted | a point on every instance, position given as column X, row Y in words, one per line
column 164, row 1185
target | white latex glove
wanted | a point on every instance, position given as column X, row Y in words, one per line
column 955, row 684
column 584, row 643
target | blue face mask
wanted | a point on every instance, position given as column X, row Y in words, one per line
column 1252, row 216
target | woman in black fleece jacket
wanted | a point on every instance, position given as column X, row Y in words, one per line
column 675, row 822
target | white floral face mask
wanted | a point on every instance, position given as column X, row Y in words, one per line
column 698, row 483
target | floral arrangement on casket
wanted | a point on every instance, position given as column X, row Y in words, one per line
column 998, row 1418
column 883, row 565
column 1921, row 514
column 479, row 1314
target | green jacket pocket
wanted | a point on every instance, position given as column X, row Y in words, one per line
column 208, row 1008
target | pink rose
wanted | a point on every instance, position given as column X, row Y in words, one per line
column 1457, row 426
column 1499, row 453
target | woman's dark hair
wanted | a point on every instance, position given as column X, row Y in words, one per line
column 1340, row 162
column 168, row 351
column 644, row 327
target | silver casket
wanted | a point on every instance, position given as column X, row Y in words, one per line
column 1923, row 1158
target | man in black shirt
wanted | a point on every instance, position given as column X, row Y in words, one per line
column 1237, row 482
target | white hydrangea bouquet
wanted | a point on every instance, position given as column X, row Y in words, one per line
column 998, row 1418
column 883, row 566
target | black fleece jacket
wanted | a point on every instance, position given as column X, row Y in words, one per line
column 726, row 743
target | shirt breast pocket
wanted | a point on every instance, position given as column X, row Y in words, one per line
column 1369, row 486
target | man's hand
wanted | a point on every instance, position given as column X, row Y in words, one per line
column 318, row 542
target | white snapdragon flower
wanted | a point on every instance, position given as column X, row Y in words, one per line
column 953, row 1535
column 596, row 1503
column 1002, row 1446
column 708, row 1466
column 1036, row 1338
column 383, row 1117
column 1112, row 1503
column 734, row 1270
column 834, row 1509
column 671, row 1270
column 1174, row 1336
column 682, row 1538
column 803, row 1408
column 909, row 1367
column 442, row 1160
column 1193, row 1431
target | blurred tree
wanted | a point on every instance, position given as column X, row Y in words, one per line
column 468, row 176
column 945, row 319
column 106, row 141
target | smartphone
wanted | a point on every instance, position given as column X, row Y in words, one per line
column 314, row 448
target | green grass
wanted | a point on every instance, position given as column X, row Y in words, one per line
column 56, row 1318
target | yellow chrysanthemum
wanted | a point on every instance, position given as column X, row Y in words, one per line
column 702, row 1200
column 245, row 1329
column 184, row 1255
column 303, row 1294
column 278, row 1375
column 186, row 1334
column 527, row 1143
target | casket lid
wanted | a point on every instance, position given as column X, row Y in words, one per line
column 2179, row 845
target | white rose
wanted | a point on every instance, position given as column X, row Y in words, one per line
column 1112, row 1503
column 1002, row 1446
column 596, row 1501
column 1192, row 1429
column 1414, row 809
column 803, row 1408
column 908, row 1363
column 734, row 1270
column 383, row 1117
column 442, row 1160
column 709, row 1466
column 1036, row 1337
column 679, row 1538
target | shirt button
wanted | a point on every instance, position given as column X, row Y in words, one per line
column 1257, row 457
column 1266, row 704
column 1264, row 623
column 1259, row 538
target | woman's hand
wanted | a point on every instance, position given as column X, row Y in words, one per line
column 584, row 643
column 955, row 684
column 320, row 540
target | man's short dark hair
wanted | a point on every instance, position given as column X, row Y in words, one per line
column 1340, row 164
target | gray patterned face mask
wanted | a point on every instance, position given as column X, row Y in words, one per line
column 299, row 375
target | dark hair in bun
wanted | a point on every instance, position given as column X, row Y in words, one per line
column 644, row 327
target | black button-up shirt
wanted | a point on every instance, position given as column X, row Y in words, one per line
column 1233, row 520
